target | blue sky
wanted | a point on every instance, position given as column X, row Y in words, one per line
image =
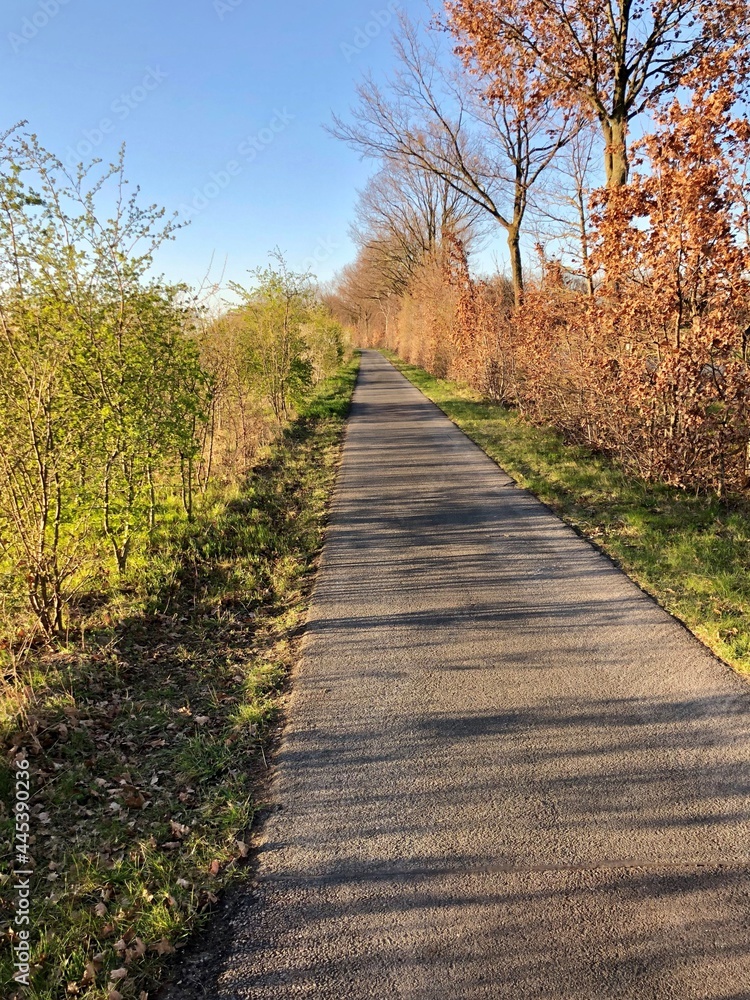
column 220, row 103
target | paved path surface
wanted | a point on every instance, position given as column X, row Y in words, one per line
column 507, row 772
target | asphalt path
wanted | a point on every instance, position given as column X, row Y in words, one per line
column 507, row 773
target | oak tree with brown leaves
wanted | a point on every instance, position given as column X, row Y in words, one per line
column 612, row 58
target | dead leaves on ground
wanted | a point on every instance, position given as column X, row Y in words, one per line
column 143, row 777
column 106, row 781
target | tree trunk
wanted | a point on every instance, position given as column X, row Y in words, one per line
column 516, row 268
column 584, row 238
column 616, row 152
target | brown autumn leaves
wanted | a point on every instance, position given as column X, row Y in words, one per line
column 635, row 340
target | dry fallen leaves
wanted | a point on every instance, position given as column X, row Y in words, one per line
column 93, row 968
column 136, row 951
column 162, row 947
column 133, row 798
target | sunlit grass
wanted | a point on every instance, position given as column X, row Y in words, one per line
column 148, row 735
column 690, row 552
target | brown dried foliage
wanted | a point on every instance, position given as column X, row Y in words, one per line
column 647, row 359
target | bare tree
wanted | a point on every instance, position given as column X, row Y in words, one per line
column 363, row 296
column 403, row 214
column 435, row 118
column 562, row 204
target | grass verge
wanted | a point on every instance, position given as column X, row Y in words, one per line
column 690, row 552
column 147, row 738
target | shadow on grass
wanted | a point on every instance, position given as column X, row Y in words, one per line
column 691, row 552
column 147, row 739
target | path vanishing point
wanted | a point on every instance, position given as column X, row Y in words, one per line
column 507, row 773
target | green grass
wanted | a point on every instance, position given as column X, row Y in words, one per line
column 690, row 552
column 148, row 737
